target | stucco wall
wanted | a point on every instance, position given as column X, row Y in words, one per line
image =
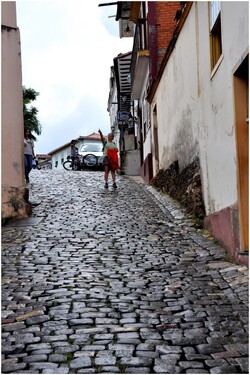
column 12, row 108
column 147, row 146
column 14, row 195
column 56, row 159
column 216, row 128
column 132, row 163
column 176, row 102
column 8, row 14
column 195, row 111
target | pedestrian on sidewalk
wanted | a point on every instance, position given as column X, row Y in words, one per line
column 110, row 161
column 29, row 153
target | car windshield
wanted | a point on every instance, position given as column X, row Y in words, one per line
column 92, row 147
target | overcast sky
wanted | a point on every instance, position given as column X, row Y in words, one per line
column 67, row 49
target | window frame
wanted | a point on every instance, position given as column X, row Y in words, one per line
column 215, row 35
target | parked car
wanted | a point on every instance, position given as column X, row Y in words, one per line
column 92, row 154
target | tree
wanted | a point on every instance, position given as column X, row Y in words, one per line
column 30, row 113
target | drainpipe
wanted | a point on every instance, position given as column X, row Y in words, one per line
column 152, row 38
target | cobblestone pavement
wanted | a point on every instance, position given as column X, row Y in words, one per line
column 119, row 281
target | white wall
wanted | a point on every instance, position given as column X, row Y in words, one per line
column 58, row 157
column 195, row 111
column 145, row 110
column 216, row 129
column 176, row 101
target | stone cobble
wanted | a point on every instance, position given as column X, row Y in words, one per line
column 103, row 281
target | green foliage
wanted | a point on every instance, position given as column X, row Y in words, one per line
column 30, row 113
column 69, row 356
column 198, row 222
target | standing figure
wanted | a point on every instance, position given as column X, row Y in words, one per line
column 29, row 153
column 73, row 150
column 110, row 161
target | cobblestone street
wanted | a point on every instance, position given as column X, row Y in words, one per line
column 117, row 281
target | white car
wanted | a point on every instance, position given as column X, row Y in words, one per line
column 92, row 154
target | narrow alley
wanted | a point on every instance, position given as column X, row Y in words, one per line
column 117, row 281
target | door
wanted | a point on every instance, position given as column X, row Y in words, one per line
column 242, row 143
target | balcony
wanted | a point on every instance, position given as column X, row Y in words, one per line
column 139, row 59
column 122, row 73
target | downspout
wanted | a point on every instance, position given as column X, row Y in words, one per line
column 152, row 40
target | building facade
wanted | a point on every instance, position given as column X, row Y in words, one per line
column 14, row 193
column 59, row 155
column 123, row 115
column 189, row 76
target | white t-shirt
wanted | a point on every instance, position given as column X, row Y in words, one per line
column 28, row 146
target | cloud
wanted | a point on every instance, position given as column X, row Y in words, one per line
column 85, row 118
column 68, row 48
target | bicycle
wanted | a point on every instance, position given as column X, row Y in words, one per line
column 80, row 162
column 70, row 166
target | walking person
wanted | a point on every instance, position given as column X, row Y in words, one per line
column 110, row 161
column 29, row 153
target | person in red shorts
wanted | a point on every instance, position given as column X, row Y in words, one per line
column 110, row 161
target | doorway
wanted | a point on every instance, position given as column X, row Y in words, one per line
column 241, row 98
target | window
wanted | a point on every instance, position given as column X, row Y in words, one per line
column 62, row 160
column 56, row 164
column 91, row 147
column 215, row 32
